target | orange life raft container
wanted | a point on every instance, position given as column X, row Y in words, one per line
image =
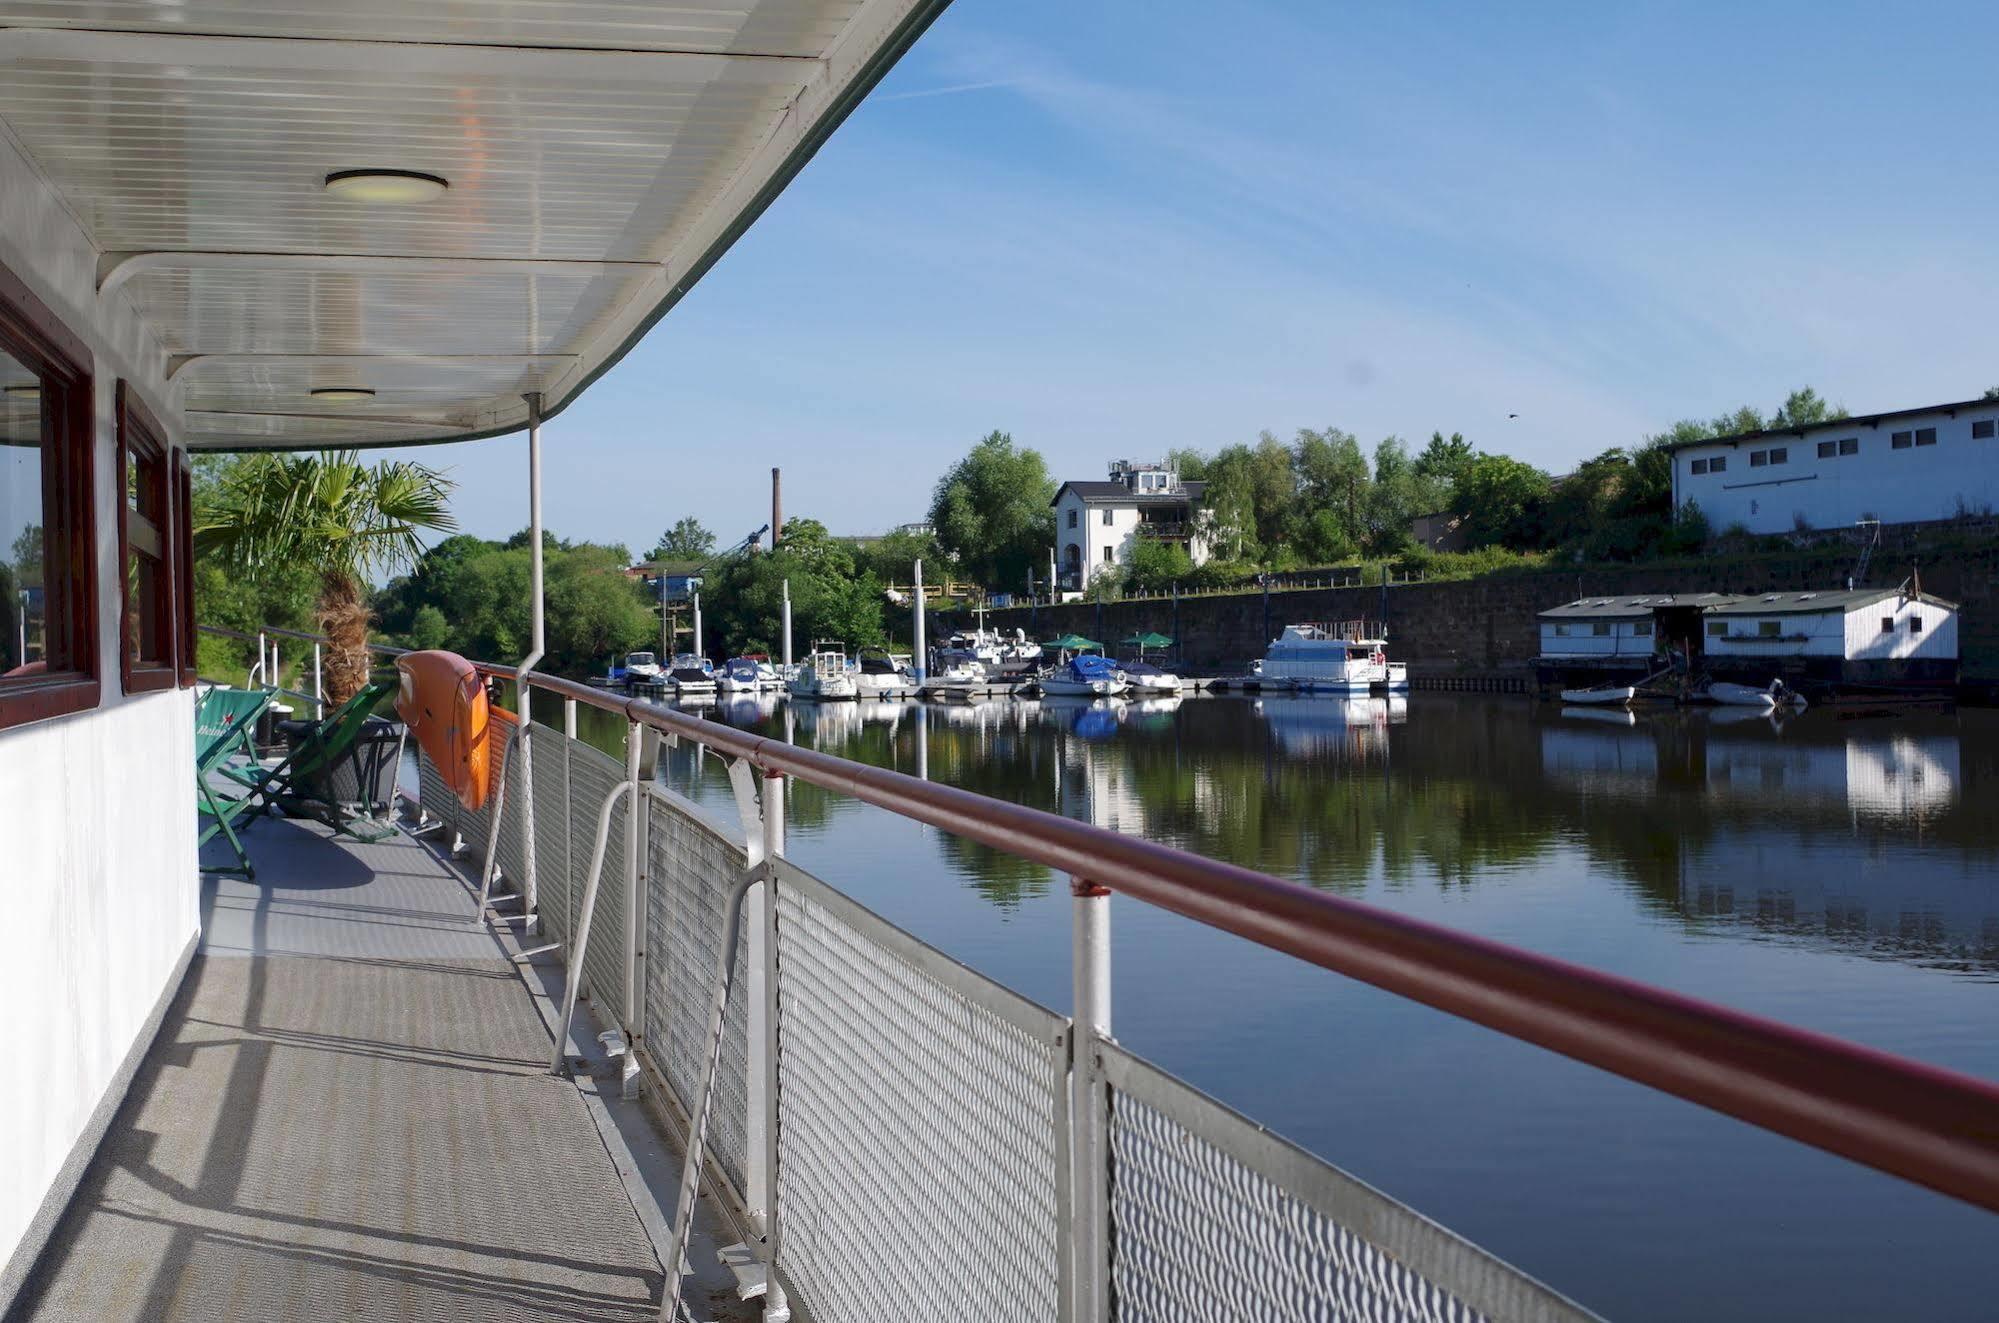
column 444, row 704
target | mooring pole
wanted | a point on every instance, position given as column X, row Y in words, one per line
column 697, row 624
column 787, row 628
column 919, row 658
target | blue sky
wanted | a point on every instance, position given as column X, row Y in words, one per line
column 1111, row 228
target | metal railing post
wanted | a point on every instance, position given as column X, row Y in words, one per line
column 318, row 682
column 763, row 1062
column 1089, row 1148
column 634, row 905
column 258, row 672
column 569, row 717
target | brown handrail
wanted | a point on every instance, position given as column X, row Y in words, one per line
column 1936, row 1127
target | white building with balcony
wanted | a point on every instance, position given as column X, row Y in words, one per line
column 1903, row 467
column 1098, row 524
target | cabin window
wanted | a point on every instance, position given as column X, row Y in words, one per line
column 1072, row 519
column 1982, row 430
column 48, row 545
column 1915, row 624
column 1561, row 631
column 1769, row 629
column 1758, row 458
column 1717, row 629
column 147, row 551
column 1641, row 629
column 1599, row 628
column 1700, row 466
column 1901, row 440
column 1926, row 436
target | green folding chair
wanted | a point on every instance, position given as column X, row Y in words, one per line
column 302, row 784
column 224, row 721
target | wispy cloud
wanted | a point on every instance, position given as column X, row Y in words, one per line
column 952, row 90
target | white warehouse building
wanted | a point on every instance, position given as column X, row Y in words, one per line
column 1903, row 467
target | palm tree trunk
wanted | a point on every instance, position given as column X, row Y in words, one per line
column 343, row 618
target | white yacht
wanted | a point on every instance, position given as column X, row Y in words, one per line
column 641, row 666
column 738, row 676
column 824, row 677
column 883, row 674
column 1086, row 675
column 1346, row 659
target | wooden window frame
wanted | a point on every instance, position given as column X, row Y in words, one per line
column 141, row 436
column 35, row 336
column 183, row 513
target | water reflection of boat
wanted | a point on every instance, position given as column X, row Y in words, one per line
column 1152, row 711
column 826, row 725
column 1609, row 716
column 1091, row 718
column 746, row 710
column 1306, row 726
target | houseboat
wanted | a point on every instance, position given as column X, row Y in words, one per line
column 1818, row 643
column 1349, row 658
column 824, row 677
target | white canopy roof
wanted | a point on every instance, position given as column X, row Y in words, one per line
column 599, row 155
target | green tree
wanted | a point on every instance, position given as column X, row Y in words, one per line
column 1332, row 499
column 1443, row 462
column 1803, row 407
column 686, row 540
column 1505, row 503
column 831, row 597
column 1397, row 496
column 333, row 520
column 991, row 511
column 1157, row 565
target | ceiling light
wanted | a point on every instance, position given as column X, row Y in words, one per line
column 387, row 186
column 27, row 392
column 342, row 394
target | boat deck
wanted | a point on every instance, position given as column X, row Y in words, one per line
column 347, row 1114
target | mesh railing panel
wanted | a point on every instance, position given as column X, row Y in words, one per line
column 592, row 775
column 1214, row 1219
column 434, row 797
column 920, row 1120
column 691, row 868
column 512, row 845
column 554, row 897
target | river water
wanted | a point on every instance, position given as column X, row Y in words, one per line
column 1840, row 874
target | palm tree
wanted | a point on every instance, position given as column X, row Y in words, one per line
column 333, row 517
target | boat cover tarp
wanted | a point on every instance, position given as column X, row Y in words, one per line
column 1090, row 666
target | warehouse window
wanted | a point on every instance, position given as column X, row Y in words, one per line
column 1641, row 629
column 1915, row 624
column 48, row 545
column 1717, row 464
column 1780, row 455
column 1599, row 628
column 1700, row 466
column 1769, row 629
column 1926, row 436
column 1561, row 631
column 1902, row 440
column 1717, row 629
column 1982, row 430
column 1828, row 450
column 1849, row 445
column 1758, row 458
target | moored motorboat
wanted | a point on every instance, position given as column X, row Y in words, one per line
column 1147, row 679
column 691, row 676
column 1085, row 676
column 1777, row 694
column 1606, row 695
column 639, row 666
column 881, row 674
column 824, row 677
column 1345, row 659
column 738, row 676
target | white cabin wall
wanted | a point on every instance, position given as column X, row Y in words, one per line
column 1937, row 639
column 1824, row 636
column 99, row 863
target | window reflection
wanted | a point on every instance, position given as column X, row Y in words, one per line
column 23, row 622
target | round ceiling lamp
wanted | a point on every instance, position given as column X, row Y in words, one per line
column 342, row 394
column 392, row 187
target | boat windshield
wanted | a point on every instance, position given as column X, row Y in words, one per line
column 639, row 659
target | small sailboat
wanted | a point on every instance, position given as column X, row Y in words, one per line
column 824, row 677
column 1087, row 675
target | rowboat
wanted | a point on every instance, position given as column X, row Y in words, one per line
column 1611, row 695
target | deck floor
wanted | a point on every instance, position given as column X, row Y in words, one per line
column 346, row 1115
